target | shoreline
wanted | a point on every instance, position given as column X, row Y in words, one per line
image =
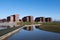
column 9, row 34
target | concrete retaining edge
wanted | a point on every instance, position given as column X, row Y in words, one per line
column 10, row 33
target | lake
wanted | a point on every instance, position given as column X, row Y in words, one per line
column 34, row 33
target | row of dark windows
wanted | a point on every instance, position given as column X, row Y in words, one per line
column 29, row 19
column 43, row 19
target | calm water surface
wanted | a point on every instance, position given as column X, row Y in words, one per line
column 33, row 33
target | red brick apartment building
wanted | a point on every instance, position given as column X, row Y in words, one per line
column 48, row 19
column 27, row 19
column 40, row 19
column 43, row 19
column 13, row 18
column 3, row 20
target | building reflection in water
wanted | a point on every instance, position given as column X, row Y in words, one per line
column 28, row 28
column 37, row 26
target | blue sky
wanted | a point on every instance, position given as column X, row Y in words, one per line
column 36, row 8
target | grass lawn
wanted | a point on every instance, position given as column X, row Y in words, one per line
column 53, row 27
column 24, row 23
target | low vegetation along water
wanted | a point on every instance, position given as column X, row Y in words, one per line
column 35, row 33
column 4, row 31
